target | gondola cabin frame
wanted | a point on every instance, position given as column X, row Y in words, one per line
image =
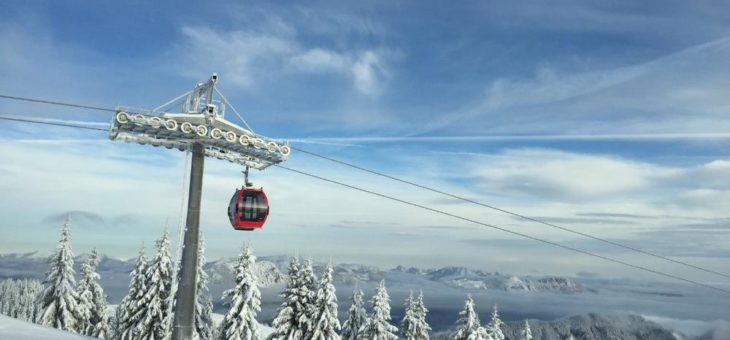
column 248, row 209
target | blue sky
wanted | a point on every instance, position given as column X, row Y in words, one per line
column 610, row 118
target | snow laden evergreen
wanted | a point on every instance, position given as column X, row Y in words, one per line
column 494, row 328
column 467, row 327
column 407, row 325
column 308, row 297
column 325, row 323
column 286, row 324
column 414, row 325
column 92, row 295
column 18, row 298
column 59, row 304
column 356, row 317
column 378, row 326
column 128, row 311
column 203, row 329
column 526, row 332
column 153, row 306
column 245, row 302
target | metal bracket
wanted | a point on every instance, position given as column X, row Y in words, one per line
column 245, row 180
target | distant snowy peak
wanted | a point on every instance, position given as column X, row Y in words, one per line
column 477, row 279
column 30, row 255
column 446, row 273
column 272, row 271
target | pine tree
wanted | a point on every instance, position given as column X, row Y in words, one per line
column 356, row 317
column 59, row 304
column 308, row 297
column 286, row 324
column 127, row 315
column 467, row 327
column 155, row 301
column 203, row 306
column 414, row 325
column 91, row 293
column 325, row 323
column 494, row 328
column 18, row 298
column 245, row 302
column 378, row 326
column 407, row 325
column 526, row 332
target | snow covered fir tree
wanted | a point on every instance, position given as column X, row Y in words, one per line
column 59, row 304
column 156, row 298
column 144, row 311
column 92, row 296
column 414, row 325
column 468, row 327
column 18, row 298
column 325, row 324
column 494, row 328
column 293, row 309
column 356, row 317
column 526, row 332
column 378, row 326
column 203, row 329
column 128, row 312
column 307, row 296
column 244, row 301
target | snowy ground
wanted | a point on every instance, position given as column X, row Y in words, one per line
column 15, row 329
column 265, row 329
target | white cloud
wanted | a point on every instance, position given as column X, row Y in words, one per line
column 368, row 72
column 566, row 175
column 318, row 60
column 251, row 57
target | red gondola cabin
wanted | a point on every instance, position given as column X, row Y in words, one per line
column 249, row 209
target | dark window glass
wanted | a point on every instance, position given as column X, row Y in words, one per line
column 254, row 207
column 232, row 207
column 247, row 207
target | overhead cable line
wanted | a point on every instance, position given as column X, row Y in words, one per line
column 42, row 101
column 35, row 121
column 445, row 213
column 524, row 217
column 397, row 179
column 459, row 217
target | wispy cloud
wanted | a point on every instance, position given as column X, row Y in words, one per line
column 673, row 96
column 252, row 56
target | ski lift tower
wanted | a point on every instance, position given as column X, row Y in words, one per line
column 200, row 127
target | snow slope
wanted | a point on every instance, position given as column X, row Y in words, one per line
column 20, row 330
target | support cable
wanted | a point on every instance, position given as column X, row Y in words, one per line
column 36, row 121
column 42, row 101
column 524, row 217
column 171, row 101
column 445, row 213
column 234, row 109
